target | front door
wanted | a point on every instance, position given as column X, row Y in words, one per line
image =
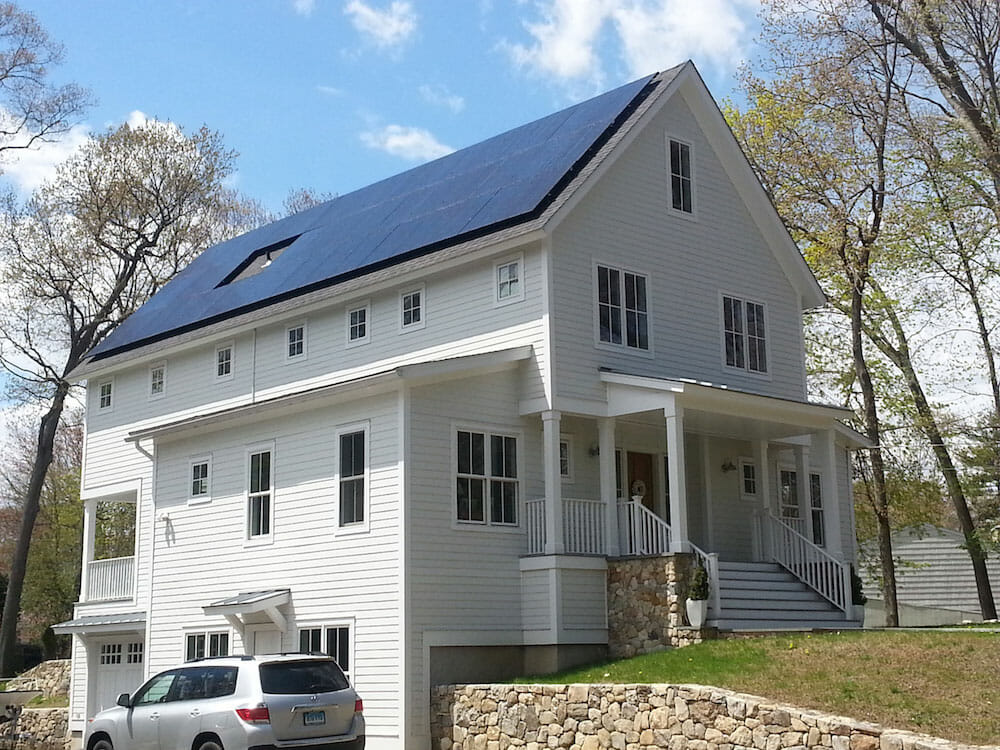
column 265, row 640
column 640, row 478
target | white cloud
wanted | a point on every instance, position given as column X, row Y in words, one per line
column 304, row 7
column 413, row 144
column 385, row 28
column 440, row 96
column 329, row 90
column 28, row 168
column 647, row 35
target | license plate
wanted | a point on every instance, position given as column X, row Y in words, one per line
column 314, row 718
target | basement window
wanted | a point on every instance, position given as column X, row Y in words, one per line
column 258, row 261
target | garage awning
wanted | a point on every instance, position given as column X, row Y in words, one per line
column 129, row 622
column 236, row 608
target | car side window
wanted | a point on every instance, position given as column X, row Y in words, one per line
column 156, row 690
column 197, row 683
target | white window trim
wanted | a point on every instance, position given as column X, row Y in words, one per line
column 231, row 346
column 693, row 215
column 207, row 632
column 199, row 499
column 744, row 495
column 767, row 336
column 594, row 306
column 403, row 327
column 568, row 440
column 110, row 407
column 519, row 297
column 364, row 526
column 149, row 381
column 487, row 525
column 262, row 539
column 367, row 307
column 324, row 625
column 305, row 342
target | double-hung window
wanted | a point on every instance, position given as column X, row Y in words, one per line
column 332, row 640
column 357, row 324
column 157, row 380
column 816, row 509
column 352, row 477
column 224, row 362
column 622, row 308
column 259, row 495
column 486, row 480
column 201, row 471
column 744, row 334
column 681, row 195
column 201, row 645
column 296, row 342
column 411, row 309
column 509, row 281
column 104, row 392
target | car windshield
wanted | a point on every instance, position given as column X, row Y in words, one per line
column 291, row 677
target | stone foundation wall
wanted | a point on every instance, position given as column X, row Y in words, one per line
column 646, row 598
column 645, row 717
column 51, row 677
column 42, row 728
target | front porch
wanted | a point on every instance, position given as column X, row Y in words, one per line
column 685, row 468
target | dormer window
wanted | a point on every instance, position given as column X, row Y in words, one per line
column 258, row 260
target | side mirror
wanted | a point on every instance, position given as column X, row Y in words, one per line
column 124, row 700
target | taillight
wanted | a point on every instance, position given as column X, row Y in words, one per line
column 358, row 706
column 256, row 715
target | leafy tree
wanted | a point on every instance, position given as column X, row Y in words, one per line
column 118, row 220
column 303, row 199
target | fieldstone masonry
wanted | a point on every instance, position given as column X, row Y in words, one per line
column 40, row 728
column 645, row 717
column 646, row 598
column 51, row 677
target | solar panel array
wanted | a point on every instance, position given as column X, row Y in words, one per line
column 469, row 192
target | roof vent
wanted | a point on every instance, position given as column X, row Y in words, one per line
column 257, row 261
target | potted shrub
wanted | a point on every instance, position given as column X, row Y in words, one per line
column 697, row 596
column 858, row 598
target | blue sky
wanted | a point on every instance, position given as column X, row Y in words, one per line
column 335, row 94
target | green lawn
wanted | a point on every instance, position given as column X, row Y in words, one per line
column 943, row 684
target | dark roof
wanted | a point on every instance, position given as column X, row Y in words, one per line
column 498, row 183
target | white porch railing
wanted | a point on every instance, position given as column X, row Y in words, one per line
column 110, row 579
column 710, row 562
column 642, row 532
column 814, row 566
column 583, row 526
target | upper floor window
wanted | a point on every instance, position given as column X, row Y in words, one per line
column 157, row 380
column 224, row 362
column 622, row 308
column 411, row 309
column 260, row 490
column 486, row 480
column 296, row 340
column 104, row 392
column 509, row 281
column 201, row 469
column 357, row 324
column 332, row 640
column 681, row 197
column 351, row 478
column 744, row 334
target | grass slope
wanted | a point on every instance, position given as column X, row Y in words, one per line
column 943, row 684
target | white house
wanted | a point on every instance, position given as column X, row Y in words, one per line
column 414, row 425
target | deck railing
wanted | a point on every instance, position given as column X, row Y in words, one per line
column 110, row 579
column 811, row 564
column 583, row 526
column 642, row 532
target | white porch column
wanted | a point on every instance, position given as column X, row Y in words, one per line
column 674, row 417
column 89, row 533
column 826, row 451
column 554, row 542
column 802, row 486
column 606, row 445
column 762, row 467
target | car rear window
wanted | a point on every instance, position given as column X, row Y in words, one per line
column 291, row 677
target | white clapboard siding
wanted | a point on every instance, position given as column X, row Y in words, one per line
column 625, row 221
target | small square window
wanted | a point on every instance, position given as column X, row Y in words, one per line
column 224, row 362
column 411, row 309
column 135, row 653
column 157, row 380
column 509, row 281
column 104, row 392
column 296, row 342
column 357, row 325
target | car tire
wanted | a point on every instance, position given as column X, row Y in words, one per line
column 102, row 744
column 207, row 744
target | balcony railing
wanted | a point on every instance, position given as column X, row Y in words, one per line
column 583, row 526
column 113, row 578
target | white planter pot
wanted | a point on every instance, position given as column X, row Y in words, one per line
column 696, row 611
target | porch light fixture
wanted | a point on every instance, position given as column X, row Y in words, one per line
column 594, row 450
column 728, row 466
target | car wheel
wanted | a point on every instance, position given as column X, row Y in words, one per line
column 102, row 744
column 208, row 744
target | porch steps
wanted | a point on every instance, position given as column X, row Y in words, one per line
column 765, row 597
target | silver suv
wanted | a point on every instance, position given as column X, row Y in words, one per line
column 286, row 702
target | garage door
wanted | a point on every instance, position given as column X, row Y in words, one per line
column 119, row 670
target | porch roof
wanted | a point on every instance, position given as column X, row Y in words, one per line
column 127, row 621
column 719, row 410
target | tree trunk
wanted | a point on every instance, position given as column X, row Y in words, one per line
column 9, row 661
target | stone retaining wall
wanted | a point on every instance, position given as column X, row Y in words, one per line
column 51, row 677
column 645, row 717
column 646, row 598
column 43, row 727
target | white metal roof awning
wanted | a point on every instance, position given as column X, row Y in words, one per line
column 236, row 608
column 128, row 622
